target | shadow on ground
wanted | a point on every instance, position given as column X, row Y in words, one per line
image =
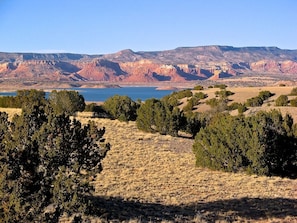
column 118, row 209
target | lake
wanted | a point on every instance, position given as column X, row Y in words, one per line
column 101, row 94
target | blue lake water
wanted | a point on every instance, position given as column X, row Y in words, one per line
column 101, row 94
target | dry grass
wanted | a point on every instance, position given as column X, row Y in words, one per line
column 150, row 177
column 11, row 111
column 153, row 178
column 241, row 94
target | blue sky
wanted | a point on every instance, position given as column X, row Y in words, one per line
column 108, row 26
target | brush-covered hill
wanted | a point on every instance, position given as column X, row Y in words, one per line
column 179, row 65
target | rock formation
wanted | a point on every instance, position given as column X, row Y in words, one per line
column 179, row 65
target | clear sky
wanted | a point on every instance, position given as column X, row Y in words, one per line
column 108, row 26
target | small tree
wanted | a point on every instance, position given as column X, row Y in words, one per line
column 293, row 102
column 200, row 95
column 254, row 102
column 47, row 160
column 213, row 102
column 189, row 106
column 194, row 122
column 282, row 100
column 193, row 101
column 158, row 116
column 217, row 105
column 223, row 94
column 198, row 88
column 259, row 100
column 145, row 115
column 221, row 86
column 9, row 102
column 261, row 144
column 239, row 106
column 264, row 95
column 27, row 99
column 121, row 107
column 68, row 102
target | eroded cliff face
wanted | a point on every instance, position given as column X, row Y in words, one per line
column 277, row 67
column 179, row 65
column 40, row 70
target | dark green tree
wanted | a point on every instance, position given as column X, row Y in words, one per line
column 25, row 99
column 259, row 100
column 254, row 102
column 145, row 115
column 282, row 100
column 28, row 99
column 120, row 107
column 293, row 102
column 218, row 146
column 47, row 160
column 200, row 95
column 9, row 102
column 264, row 95
column 223, row 94
column 174, row 98
column 68, row 102
column 190, row 104
column 194, row 122
column 198, row 88
column 261, row 144
column 158, row 116
column 221, row 86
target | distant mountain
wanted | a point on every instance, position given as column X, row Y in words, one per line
column 178, row 65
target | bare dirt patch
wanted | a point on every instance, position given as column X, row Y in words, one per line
column 11, row 111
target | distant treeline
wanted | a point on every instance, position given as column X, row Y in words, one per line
column 62, row 101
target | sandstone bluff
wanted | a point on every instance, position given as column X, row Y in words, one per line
column 179, row 65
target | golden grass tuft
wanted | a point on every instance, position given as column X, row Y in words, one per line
column 11, row 111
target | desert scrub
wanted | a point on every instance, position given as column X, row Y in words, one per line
column 261, row 144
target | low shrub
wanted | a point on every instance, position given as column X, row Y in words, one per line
column 282, row 100
column 200, row 95
column 293, row 102
column 122, row 108
column 198, row 88
column 262, row 144
column 221, row 86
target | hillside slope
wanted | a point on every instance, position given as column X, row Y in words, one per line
column 152, row 178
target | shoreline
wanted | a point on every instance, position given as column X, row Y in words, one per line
column 12, row 86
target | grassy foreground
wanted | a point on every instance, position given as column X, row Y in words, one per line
column 153, row 178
